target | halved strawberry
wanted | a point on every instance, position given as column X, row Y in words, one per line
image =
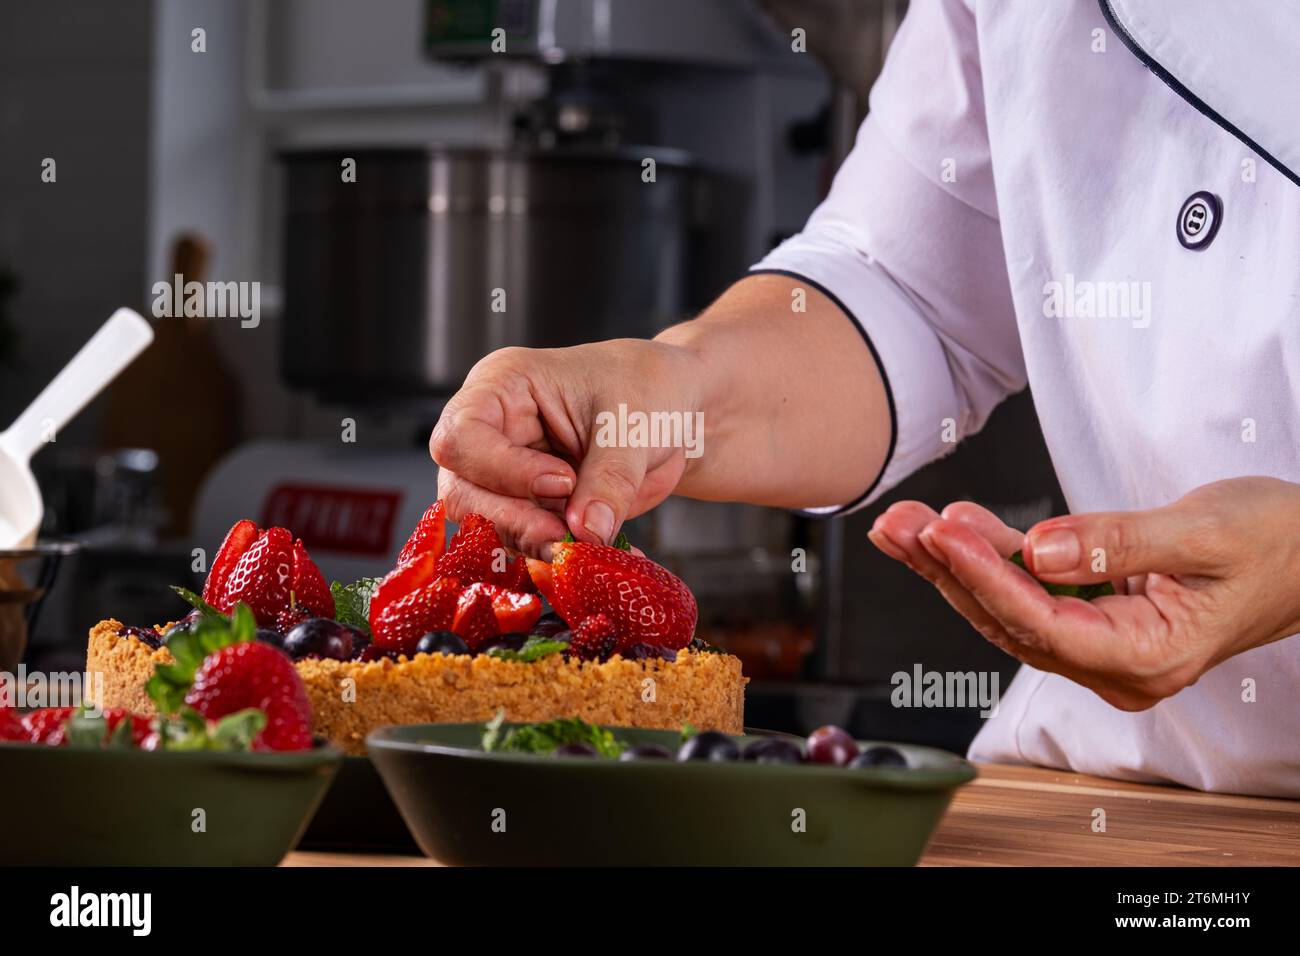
column 646, row 603
column 401, row 581
column 262, row 577
column 402, row 622
column 309, row 588
column 516, row 576
column 474, row 620
column 476, row 553
column 485, row 611
column 238, row 540
column 515, row 611
column 429, row 536
column 540, row 573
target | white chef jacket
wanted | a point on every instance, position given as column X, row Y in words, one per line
column 1015, row 210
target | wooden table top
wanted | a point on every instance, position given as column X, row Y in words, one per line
column 1028, row 816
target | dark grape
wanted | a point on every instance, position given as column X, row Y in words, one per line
column 831, row 745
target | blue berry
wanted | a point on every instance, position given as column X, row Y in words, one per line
column 878, row 756
column 645, row 752
column 319, row 637
column 441, row 642
column 711, row 746
column 773, row 750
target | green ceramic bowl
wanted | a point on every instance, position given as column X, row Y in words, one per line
column 66, row 806
column 467, row 807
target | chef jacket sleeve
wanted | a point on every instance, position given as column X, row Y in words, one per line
column 908, row 244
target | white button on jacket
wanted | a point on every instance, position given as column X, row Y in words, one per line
column 1102, row 200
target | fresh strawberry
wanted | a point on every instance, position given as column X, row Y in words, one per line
column 11, row 726
column 403, row 580
column 542, row 576
column 291, row 617
column 595, row 638
column 47, row 726
column 516, row 577
column 252, row 674
column 477, row 554
column 515, row 611
column 429, row 536
column 647, row 603
column 238, row 540
column 309, row 588
column 402, row 622
column 262, row 578
column 474, row 621
column 485, row 611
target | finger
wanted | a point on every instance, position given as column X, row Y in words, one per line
column 471, row 439
column 1089, row 548
column 609, row 485
column 1005, row 540
column 896, row 533
column 521, row 524
column 1079, row 637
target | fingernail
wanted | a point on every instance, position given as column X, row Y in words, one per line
column 926, row 537
column 599, row 520
column 1053, row 551
column 552, row 486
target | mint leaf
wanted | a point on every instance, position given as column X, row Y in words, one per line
column 1086, row 592
column 85, row 730
column 533, row 649
column 689, row 730
column 620, row 541
column 543, row 738
column 492, row 730
column 352, row 602
column 187, row 730
column 206, row 609
column 238, row 730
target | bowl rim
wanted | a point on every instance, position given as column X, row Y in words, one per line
column 954, row 770
column 318, row 755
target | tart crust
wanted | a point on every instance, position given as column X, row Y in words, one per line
column 350, row 698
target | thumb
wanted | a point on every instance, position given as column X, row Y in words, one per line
column 609, row 480
column 1107, row 545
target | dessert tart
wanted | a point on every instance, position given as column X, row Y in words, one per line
column 457, row 632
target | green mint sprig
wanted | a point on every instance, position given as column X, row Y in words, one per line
column 533, row 649
column 196, row 602
column 352, row 602
column 1087, row 592
column 543, row 738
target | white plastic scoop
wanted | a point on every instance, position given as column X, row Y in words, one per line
column 118, row 341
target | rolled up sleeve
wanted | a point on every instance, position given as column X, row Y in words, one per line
column 908, row 245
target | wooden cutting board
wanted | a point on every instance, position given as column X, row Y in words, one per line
column 1027, row 816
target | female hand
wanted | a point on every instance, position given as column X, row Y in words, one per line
column 1198, row 581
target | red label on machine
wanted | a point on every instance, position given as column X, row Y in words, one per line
column 328, row 518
